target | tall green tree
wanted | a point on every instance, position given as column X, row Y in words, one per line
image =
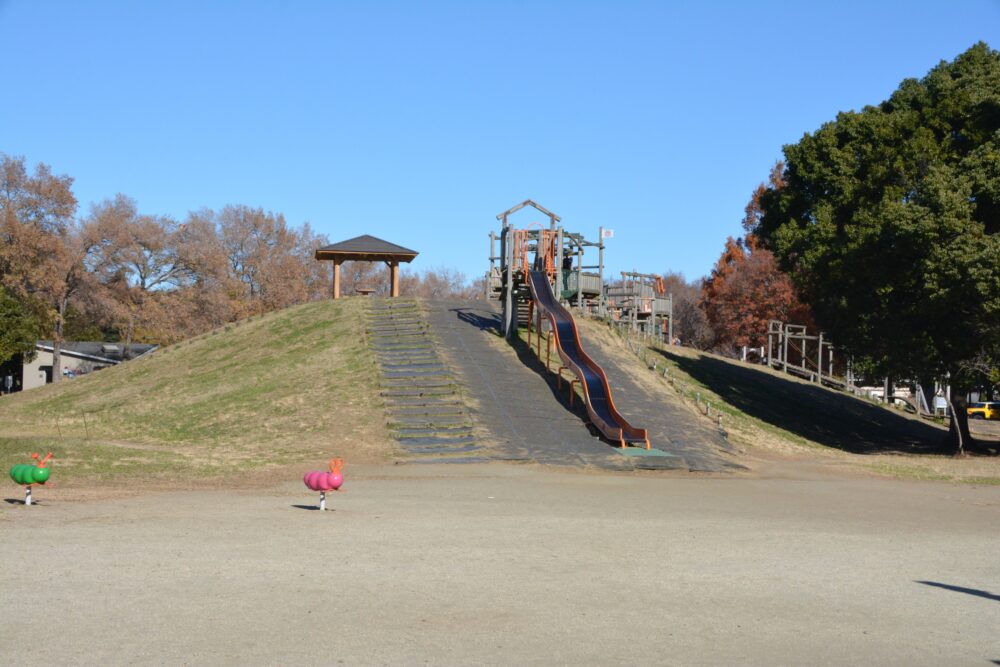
column 20, row 328
column 889, row 221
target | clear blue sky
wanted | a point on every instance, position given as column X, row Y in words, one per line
column 419, row 122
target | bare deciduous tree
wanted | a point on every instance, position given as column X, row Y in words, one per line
column 690, row 322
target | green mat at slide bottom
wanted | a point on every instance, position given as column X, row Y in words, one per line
column 642, row 451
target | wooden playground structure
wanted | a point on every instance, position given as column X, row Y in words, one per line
column 810, row 356
column 532, row 282
column 563, row 256
column 788, row 350
column 539, row 272
column 638, row 302
column 641, row 303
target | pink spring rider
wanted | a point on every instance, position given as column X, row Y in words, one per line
column 325, row 481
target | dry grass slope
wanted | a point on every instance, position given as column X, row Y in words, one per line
column 766, row 411
column 288, row 387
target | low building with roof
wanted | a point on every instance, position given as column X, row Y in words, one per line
column 76, row 358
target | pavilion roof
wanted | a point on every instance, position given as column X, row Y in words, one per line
column 366, row 248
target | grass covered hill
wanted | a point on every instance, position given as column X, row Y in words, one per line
column 771, row 413
column 292, row 386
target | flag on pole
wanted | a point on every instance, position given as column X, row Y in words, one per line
column 607, row 234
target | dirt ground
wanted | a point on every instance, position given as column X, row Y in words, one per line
column 986, row 430
column 510, row 564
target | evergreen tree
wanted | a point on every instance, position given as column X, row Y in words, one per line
column 888, row 220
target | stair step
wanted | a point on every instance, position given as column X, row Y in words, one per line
column 401, row 346
column 437, row 440
column 444, row 410
column 402, row 375
column 407, row 355
column 426, row 382
column 417, row 400
column 403, row 433
column 389, row 364
column 415, row 421
column 397, row 392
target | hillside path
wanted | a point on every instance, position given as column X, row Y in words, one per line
column 525, row 417
column 671, row 425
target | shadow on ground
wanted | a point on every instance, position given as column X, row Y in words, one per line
column 489, row 322
column 527, row 356
column 962, row 589
column 821, row 415
column 560, row 391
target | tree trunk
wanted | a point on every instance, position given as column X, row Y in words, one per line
column 57, row 342
column 128, row 334
column 958, row 432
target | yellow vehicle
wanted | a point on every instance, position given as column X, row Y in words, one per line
column 987, row 410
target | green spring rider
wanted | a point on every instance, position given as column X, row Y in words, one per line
column 31, row 473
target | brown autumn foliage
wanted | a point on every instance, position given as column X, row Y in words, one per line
column 270, row 264
column 153, row 273
column 435, row 283
column 744, row 291
column 140, row 277
column 747, row 288
column 442, row 283
column 40, row 244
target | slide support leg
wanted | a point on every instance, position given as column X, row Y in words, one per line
column 538, row 335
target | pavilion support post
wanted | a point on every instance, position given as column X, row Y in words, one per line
column 394, row 272
column 336, row 279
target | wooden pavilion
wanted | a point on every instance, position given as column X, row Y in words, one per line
column 366, row 249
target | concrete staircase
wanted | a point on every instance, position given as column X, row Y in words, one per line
column 425, row 411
